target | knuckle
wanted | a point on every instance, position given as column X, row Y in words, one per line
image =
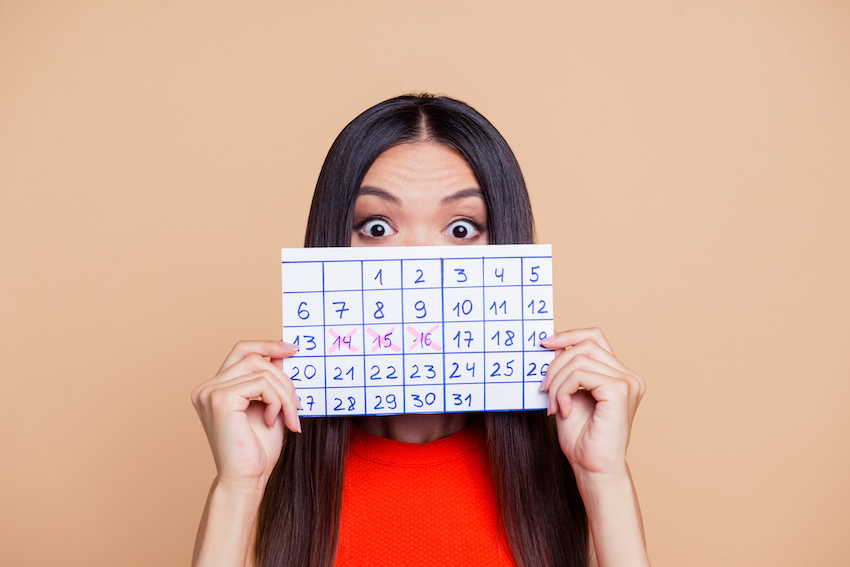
column 217, row 398
column 623, row 387
column 196, row 396
column 254, row 357
column 637, row 382
column 239, row 348
column 580, row 373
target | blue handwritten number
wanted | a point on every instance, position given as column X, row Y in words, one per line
column 390, row 399
column 508, row 366
column 509, row 338
column 338, row 375
column 467, row 338
column 540, row 309
column 311, row 340
column 503, row 306
column 342, row 309
column 534, row 337
column 430, row 397
column 302, row 311
column 339, row 404
column 465, row 307
column 458, row 400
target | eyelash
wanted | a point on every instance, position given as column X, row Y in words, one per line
column 475, row 225
column 359, row 226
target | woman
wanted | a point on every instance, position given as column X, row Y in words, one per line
column 422, row 170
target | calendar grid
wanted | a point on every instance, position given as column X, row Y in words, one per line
column 493, row 305
column 363, row 317
column 443, row 328
column 522, row 325
column 403, row 359
column 484, row 323
column 324, row 336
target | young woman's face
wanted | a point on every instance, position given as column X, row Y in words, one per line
column 419, row 194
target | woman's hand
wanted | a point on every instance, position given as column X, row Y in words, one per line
column 244, row 409
column 594, row 397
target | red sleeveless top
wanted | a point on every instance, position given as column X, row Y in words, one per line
column 420, row 504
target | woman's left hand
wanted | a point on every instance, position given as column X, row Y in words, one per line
column 594, row 397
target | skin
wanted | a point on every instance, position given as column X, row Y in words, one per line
column 419, row 194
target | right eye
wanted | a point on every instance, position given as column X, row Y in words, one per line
column 377, row 228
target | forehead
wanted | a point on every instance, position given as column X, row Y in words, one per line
column 420, row 166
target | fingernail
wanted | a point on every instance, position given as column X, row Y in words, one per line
column 547, row 340
column 550, row 410
column 289, row 346
column 298, row 403
column 298, row 423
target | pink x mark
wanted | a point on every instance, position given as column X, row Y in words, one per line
column 341, row 341
column 380, row 338
column 421, row 337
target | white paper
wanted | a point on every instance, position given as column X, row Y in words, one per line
column 424, row 329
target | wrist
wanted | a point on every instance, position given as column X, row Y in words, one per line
column 248, row 492
column 227, row 525
column 597, row 488
column 612, row 477
column 614, row 517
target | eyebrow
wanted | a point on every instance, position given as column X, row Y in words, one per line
column 380, row 193
column 462, row 194
column 449, row 199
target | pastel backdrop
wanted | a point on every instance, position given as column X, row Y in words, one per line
column 688, row 161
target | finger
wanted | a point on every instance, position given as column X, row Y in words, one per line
column 604, row 383
column 259, row 385
column 271, row 349
column 282, row 385
column 237, row 394
column 253, row 362
column 587, row 347
column 278, row 362
column 566, row 339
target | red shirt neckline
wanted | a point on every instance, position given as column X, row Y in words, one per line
column 401, row 454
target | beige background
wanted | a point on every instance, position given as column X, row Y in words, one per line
column 689, row 161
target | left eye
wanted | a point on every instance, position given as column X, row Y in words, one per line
column 376, row 228
column 462, row 229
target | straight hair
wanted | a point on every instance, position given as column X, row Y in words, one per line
column 540, row 506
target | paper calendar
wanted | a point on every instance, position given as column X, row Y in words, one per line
column 424, row 329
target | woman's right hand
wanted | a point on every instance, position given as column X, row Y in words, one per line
column 244, row 409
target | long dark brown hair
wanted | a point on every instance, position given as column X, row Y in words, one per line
column 539, row 503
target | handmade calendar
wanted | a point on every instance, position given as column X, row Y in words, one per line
column 424, row 329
